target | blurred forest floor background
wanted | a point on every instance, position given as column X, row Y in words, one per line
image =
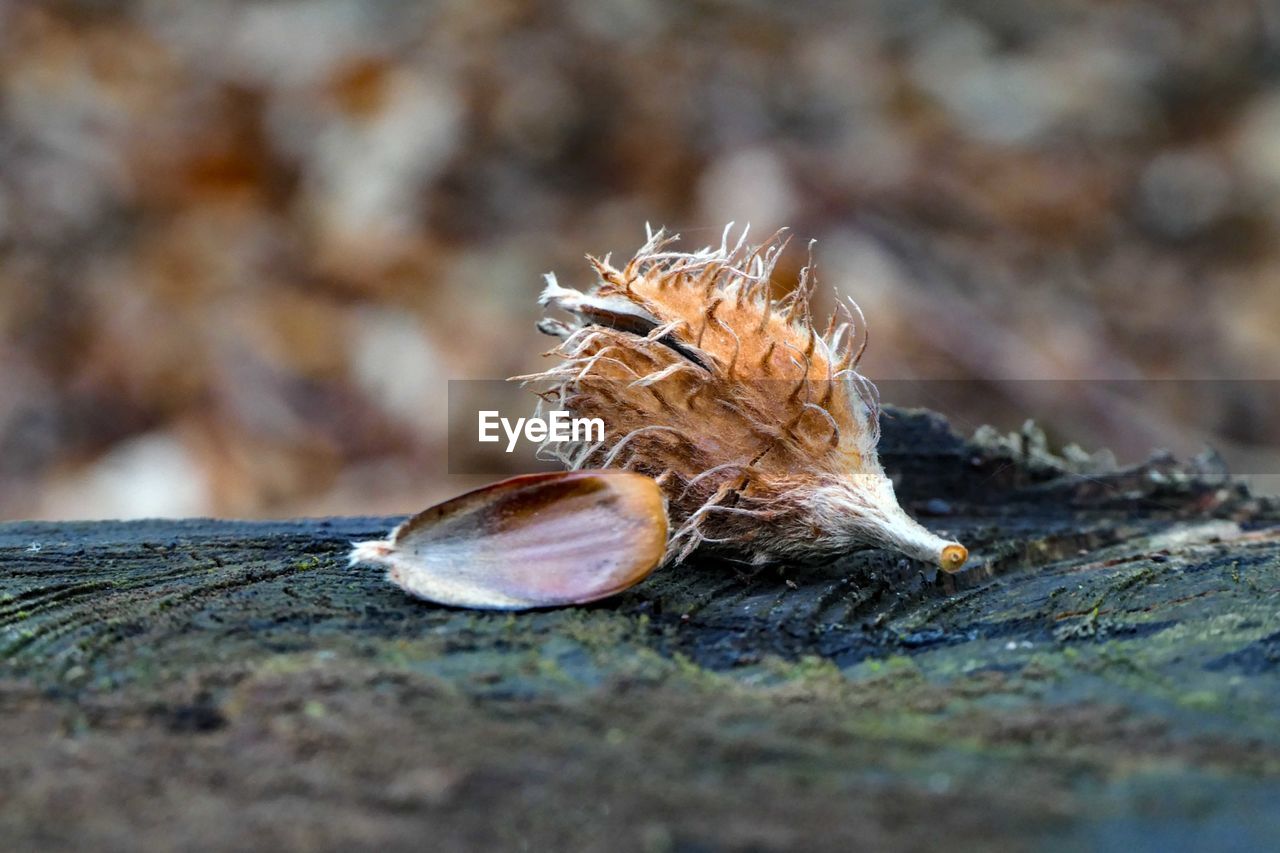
column 243, row 246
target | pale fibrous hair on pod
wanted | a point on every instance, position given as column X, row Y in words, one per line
column 755, row 422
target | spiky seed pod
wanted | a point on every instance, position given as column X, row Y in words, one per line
column 757, row 426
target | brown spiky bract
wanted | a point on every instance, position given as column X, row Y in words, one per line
column 755, row 423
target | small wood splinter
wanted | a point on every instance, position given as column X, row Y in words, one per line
column 723, row 406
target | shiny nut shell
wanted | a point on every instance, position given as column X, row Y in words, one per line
column 539, row 540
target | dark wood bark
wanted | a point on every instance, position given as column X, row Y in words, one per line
column 1108, row 671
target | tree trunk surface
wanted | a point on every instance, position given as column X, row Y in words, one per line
column 1107, row 673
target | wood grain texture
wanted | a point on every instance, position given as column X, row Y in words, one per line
column 1107, row 672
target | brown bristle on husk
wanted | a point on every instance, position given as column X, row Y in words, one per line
column 757, row 426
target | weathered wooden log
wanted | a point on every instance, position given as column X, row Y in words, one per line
column 1107, row 672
